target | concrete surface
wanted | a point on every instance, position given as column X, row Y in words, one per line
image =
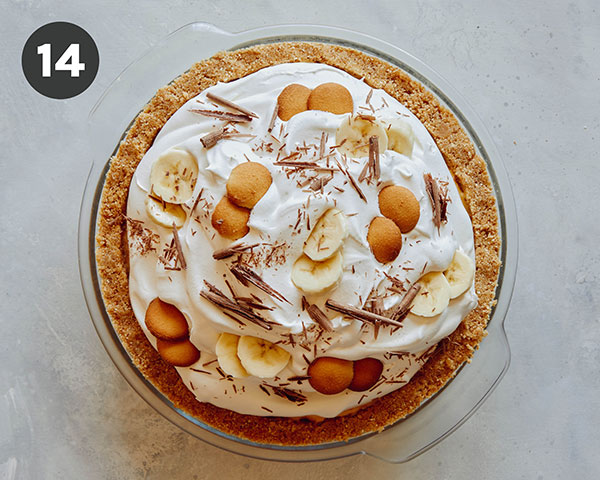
column 531, row 71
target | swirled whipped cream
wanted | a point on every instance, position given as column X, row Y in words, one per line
column 279, row 225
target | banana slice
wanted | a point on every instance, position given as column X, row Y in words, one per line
column 260, row 357
column 460, row 274
column 355, row 133
column 173, row 176
column 165, row 214
column 316, row 277
column 327, row 235
column 227, row 356
column 433, row 297
column 401, row 137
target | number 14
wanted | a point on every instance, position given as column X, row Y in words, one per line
column 69, row 60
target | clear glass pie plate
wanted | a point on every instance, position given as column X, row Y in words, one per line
column 436, row 418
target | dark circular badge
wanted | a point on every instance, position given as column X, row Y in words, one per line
column 60, row 60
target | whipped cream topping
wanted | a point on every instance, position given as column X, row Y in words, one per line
column 274, row 226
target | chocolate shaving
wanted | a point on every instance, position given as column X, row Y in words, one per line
column 374, row 156
column 273, row 118
column 180, row 258
column 153, row 196
column 230, row 104
column 378, row 384
column 333, row 147
column 359, row 313
column 198, row 198
column 293, row 164
column 219, row 114
column 368, row 118
column 305, row 303
column 351, row 178
column 142, row 238
column 276, row 256
column 291, row 395
column 318, row 183
column 290, row 156
column 299, row 378
column 253, row 302
column 229, row 251
column 199, row 371
column 439, row 202
column 404, row 306
column 245, row 276
column 297, row 221
column 397, row 290
column 315, row 184
column 306, row 181
column 319, row 317
column 371, row 168
column 210, row 139
column 234, row 318
column 322, row 146
column 444, row 205
column 264, row 389
column 377, row 307
column 231, row 290
column 364, row 171
column 399, row 284
column 356, row 187
column 216, row 296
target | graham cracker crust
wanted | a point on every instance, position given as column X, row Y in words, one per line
column 470, row 175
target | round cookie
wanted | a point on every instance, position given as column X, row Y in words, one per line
column 181, row 354
column 230, row 220
column 247, row 184
column 293, row 99
column 385, row 239
column 366, row 373
column 331, row 97
column 400, row 205
column 330, row 375
column 165, row 321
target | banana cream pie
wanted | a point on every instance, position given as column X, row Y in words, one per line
column 297, row 243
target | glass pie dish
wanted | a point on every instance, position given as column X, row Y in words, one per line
column 109, row 121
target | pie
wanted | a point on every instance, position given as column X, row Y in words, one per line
column 297, row 243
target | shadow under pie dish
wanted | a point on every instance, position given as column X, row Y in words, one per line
column 335, row 184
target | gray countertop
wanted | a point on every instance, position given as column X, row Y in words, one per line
column 531, row 72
